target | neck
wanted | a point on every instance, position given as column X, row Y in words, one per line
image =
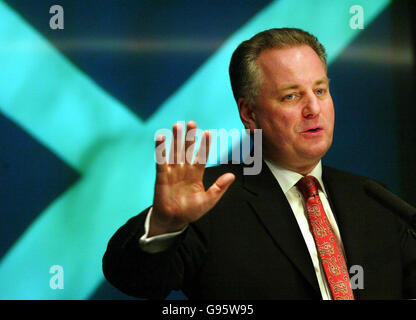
column 304, row 169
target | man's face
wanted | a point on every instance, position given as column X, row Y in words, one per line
column 294, row 107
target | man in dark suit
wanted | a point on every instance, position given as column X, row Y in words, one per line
column 221, row 234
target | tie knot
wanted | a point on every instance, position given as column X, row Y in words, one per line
column 308, row 185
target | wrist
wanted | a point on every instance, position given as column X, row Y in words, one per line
column 159, row 226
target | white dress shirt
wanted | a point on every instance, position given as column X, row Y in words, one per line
column 287, row 180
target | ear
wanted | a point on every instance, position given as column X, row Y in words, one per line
column 247, row 115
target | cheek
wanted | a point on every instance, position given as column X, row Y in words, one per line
column 331, row 119
column 278, row 124
column 330, row 112
column 288, row 123
column 283, row 128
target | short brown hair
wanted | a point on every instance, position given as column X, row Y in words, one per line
column 244, row 73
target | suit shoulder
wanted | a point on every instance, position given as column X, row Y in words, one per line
column 331, row 173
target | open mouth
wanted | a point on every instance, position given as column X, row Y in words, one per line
column 312, row 132
column 313, row 129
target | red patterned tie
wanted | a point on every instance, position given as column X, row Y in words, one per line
column 326, row 241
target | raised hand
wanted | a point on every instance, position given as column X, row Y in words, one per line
column 180, row 196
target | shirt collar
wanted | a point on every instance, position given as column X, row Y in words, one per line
column 287, row 178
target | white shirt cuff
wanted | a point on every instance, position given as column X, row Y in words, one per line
column 158, row 243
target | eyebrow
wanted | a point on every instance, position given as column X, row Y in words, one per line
column 289, row 86
column 325, row 80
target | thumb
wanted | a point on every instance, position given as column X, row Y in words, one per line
column 218, row 188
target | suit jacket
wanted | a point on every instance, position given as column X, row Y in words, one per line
column 249, row 246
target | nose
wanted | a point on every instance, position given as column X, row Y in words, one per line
column 311, row 108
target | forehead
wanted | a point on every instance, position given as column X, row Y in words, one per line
column 299, row 65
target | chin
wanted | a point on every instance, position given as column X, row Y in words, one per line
column 317, row 152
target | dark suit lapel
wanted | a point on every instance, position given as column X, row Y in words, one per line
column 275, row 213
column 347, row 201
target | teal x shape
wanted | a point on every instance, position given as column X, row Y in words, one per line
column 112, row 149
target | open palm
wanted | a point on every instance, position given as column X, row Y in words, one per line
column 180, row 196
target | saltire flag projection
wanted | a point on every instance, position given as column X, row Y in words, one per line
column 101, row 139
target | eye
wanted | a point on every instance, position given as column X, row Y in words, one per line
column 320, row 92
column 289, row 97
